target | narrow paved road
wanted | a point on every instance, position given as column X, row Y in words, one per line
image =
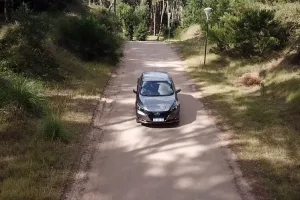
column 134, row 162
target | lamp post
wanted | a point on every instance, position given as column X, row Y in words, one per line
column 207, row 13
column 169, row 16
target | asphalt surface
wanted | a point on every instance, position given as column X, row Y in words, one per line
column 135, row 162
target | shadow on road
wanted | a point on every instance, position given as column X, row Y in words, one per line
column 189, row 107
column 135, row 162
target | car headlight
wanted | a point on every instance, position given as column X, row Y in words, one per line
column 175, row 106
column 141, row 108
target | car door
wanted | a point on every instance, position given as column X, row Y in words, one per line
column 174, row 88
column 137, row 89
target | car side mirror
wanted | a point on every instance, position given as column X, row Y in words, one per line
column 177, row 91
column 134, row 91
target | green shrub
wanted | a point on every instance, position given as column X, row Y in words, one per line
column 91, row 37
column 288, row 14
column 257, row 32
column 249, row 31
column 24, row 94
column 141, row 29
column 224, row 33
column 44, row 5
column 141, row 32
column 23, row 47
column 293, row 101
column 173, row 29
column 128, row 18
column 53, row 129
column 193, row 13
column 112, row 22
column 178, row 31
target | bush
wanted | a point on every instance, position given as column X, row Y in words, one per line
column 92, row 37
column 23, row 94
column 288, row 14
column 141, row 32
column 257, row 32
column 128, row 18
column 293, row 101
column 193, row 13
column 112, row 23
column 173, row 30
column 23, row 48
column 141, row 29
column 53, row 129
column 249, row 31
column 44, row 5
column 224, row 33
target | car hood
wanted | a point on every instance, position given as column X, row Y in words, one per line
column 157, row 104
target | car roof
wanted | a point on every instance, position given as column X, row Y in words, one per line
column 156, row 76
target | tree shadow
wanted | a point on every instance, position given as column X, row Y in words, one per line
column 135, row 162
column 289, row 63
column 262, row 120
column 277, row 189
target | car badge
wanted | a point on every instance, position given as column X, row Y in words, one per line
column 157, row 114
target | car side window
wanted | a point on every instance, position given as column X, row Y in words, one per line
column 139, row 85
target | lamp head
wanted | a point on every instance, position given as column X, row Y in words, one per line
column 208, row 11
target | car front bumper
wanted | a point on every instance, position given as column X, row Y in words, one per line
column 168, row 117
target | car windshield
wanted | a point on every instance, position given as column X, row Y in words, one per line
column 157, row 88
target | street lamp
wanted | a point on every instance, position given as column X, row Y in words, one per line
column 207, row 13
column 169, row 15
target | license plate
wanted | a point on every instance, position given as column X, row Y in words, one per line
column 158, row 119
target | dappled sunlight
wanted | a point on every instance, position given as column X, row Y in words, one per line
column 137, row 162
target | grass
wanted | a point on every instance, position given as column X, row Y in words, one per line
column 33, row 166
column 265, row 125
column 154, row 38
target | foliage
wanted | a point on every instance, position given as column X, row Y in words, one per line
column 224, row 32
column 141, row 28
column 288, row 14
column 293, row 101
column 53, row 129
column 22, row 93
column 109, row 19
column 141, row 32
column 250, row 31
column 258, row 32
column 173, row 30
column 127, row 16
column 93, row 37
column 193, row 13
column 23, row 47
column 44, row 5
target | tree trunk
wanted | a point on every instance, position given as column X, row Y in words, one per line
column 154, row 19
column 5, row 10
column 111, row 5
column 181, row 14
column 115, row 10
column 161, row 19
column 172, row 13
column 8, row 7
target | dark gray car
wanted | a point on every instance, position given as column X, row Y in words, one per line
column 156, row 99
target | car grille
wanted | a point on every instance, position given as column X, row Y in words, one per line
column 158, row 115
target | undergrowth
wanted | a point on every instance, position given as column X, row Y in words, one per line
column 48, row 95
